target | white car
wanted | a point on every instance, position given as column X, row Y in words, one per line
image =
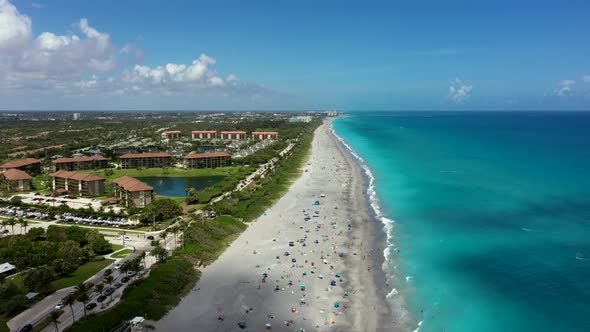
column 117, row 238
column 127, row 238
column 60, row 305
column 117, row 266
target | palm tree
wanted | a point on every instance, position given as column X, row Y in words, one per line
column 82, row 296
column 175, row 230
column 143, row 256
column 4, row 223
column 163, row 236
column 11, row 223
column 109, row 280
column 99, row 288
column 70, row 300
column 54, row 318
column 23, row 224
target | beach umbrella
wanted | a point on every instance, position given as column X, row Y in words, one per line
column 268, row 326
column 338, row 274
column 293, row 260
column 341, row 254
column 265, row 275
column 242, row 324
column 333, row 282
column 287, row 253
column 345, row 293
column 302, row 287
column 337, row 305
column 317, row 211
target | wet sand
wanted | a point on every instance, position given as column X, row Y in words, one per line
column 256, row 283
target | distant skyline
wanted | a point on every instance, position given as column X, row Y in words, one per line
column 298, row 55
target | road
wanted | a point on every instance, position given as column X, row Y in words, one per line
column 261, row 170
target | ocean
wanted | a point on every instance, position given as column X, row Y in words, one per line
column 487, row 215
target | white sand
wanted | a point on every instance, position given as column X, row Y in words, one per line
column 232, row 286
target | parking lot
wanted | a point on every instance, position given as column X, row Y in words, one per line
column 27, row 213
column 81, row 219
column 70, row 201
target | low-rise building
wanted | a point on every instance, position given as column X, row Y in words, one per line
column 171, row 134
column 79, row 183
column 301, row 118
column 29, row 165
column 207, row 160
column 146, row 160
column 16, row 180
column 204, row 134
column 230, row 135
column 133, row 192
column 262, row 135
column 80, row 163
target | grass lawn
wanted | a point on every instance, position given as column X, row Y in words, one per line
column 81, row 274
column 167, row 172
column 122, row 254
column 3, row 321
column 116, row 247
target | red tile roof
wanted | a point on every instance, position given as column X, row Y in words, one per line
column 78, row 159
column 233, row 132
column 204, row 131
column 173, row 132
column 146, row 155
column 132, row 184
column 19, row 163
column 76, row 176
column 265, row 133
column 14, row 174
column 207, row 155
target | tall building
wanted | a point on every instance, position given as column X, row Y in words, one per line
column 171, row 134
column 76, row 116
column 262, row 135
column 78, row 183
column 146, row 160
column 29, row 165
column 80, row 163
column 133, row 192
column 207, row 160
column 204, row 134
column 233, row 135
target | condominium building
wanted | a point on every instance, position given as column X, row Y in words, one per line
column 233, row 135
column 15, row 180
column 262, row 135
column 133, row 192
column 29, row 165
column 300, row 118
column 76, row 182
column 146, row 160
column 80, row 163
column 207, row 160
column 171, row 134
column 204, row 134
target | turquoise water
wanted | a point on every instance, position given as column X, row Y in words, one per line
column 176, row 186
column 491, row 215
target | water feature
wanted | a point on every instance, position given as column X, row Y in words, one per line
column 176, row 186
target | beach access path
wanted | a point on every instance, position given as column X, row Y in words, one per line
column 254, row 282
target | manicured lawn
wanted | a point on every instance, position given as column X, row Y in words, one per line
column 116, row 247
column 81, row 274
column 167, row 172
column 121, row 254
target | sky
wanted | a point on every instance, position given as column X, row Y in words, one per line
column 294, row 55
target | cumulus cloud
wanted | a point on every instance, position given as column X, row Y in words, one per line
column 459, row 92
column 564, row 88
column 86, row 61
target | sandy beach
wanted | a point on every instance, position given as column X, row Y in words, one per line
column 328, row 278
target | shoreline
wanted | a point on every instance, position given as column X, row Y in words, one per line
column 231, row 289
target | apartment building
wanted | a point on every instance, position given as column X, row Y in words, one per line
column 80, row 163
column 262, row 135
column 133, row 192
column 204, row 134
column 146, row 160
column 171, row 134
column 16, row 180
column 79, row 183
column 30, row 165
column 233, row 135
column 207, row 160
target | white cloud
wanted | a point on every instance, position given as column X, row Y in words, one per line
column 458, row 91
column 586, row 78
column 15, row 29
column 564, row 88
column 38, row 5
column 85, row 62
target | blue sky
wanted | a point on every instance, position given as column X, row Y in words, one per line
column 348, row 55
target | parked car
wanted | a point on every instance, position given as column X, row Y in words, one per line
column 107, row 272
column 101, row 298
column 117, row 285
column 118, row 266
column 60, row 305
column 108, row 291
column 150, row 237
column 89, row 285
column 124, row 279
column 131, row 273
column 90, row 306
column 26, row 328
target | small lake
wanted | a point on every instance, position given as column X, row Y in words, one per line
column 169, row 186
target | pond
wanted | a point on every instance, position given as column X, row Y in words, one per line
column 176, row 186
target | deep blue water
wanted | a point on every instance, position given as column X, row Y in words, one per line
column 176, row 186
column 491, row 215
